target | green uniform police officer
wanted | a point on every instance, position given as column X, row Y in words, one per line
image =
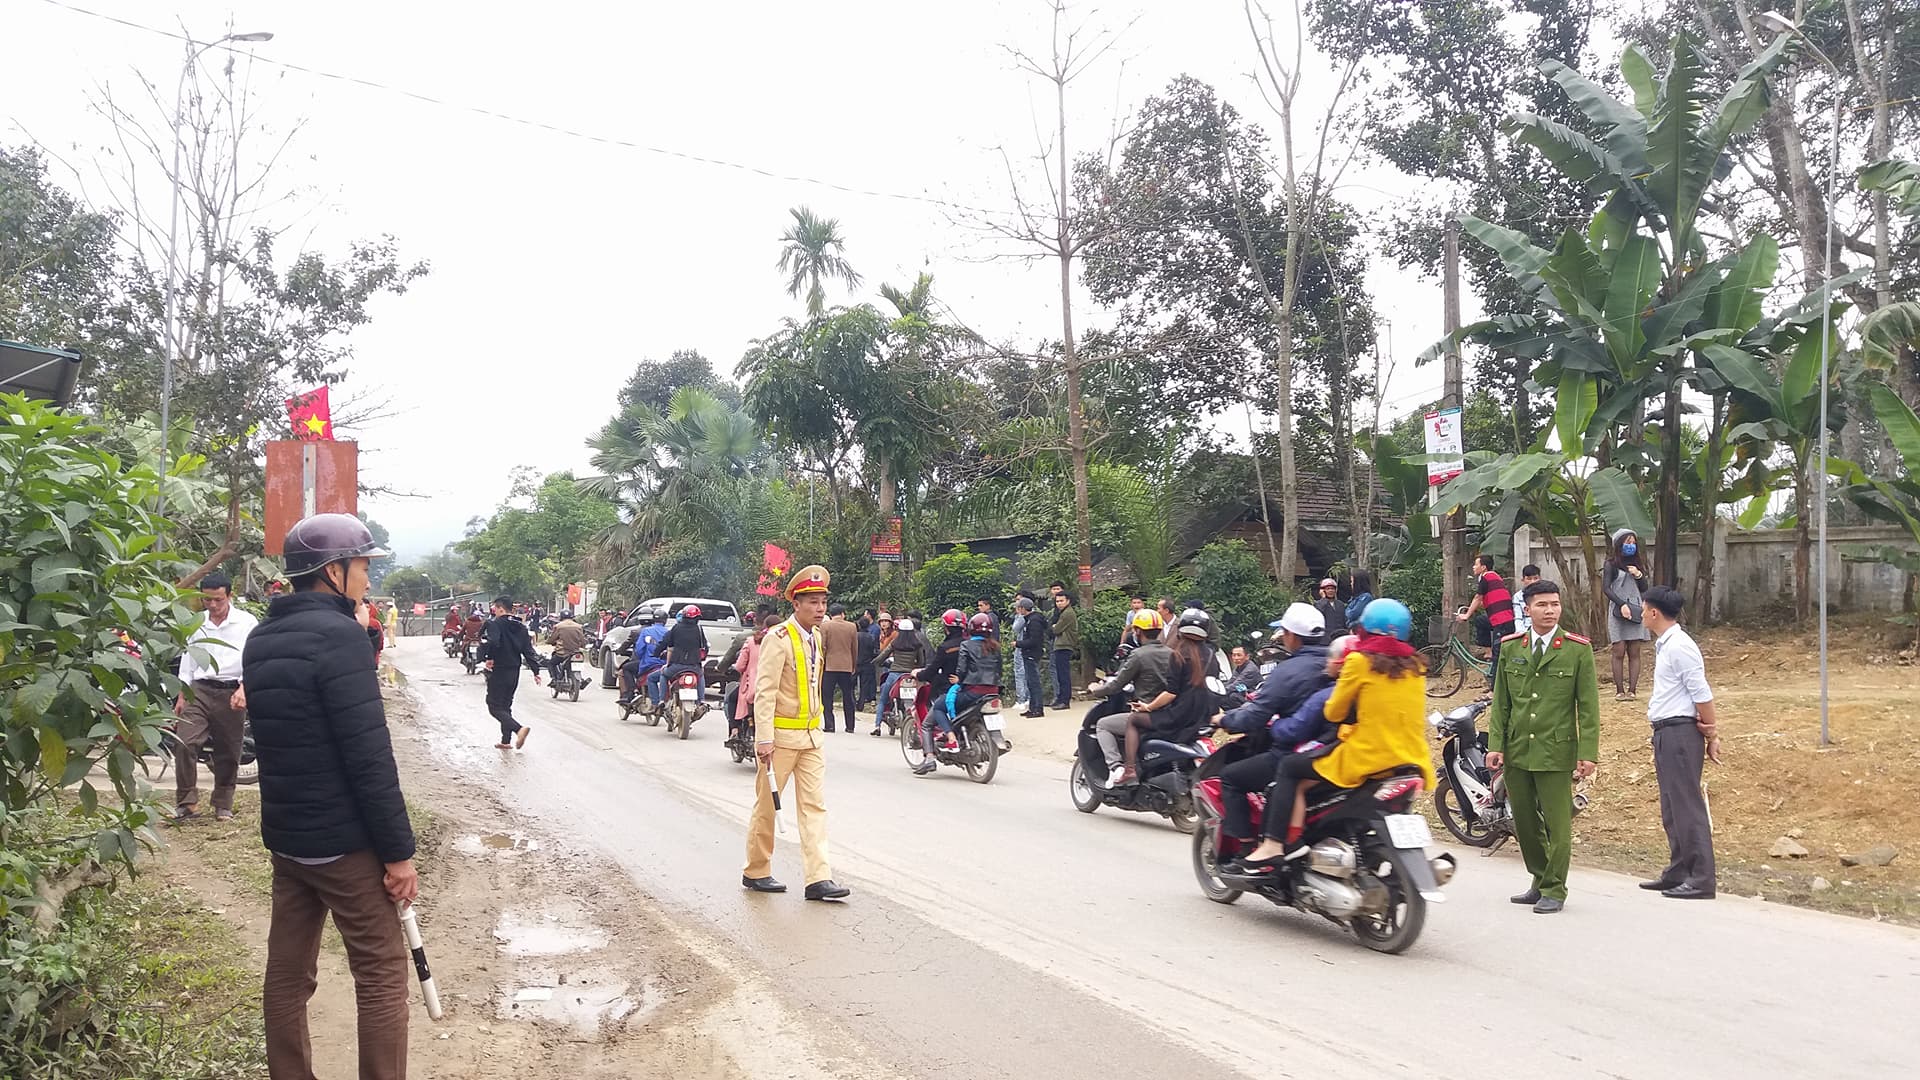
column 1544, row 732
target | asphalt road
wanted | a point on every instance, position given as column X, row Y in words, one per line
column 996, row 931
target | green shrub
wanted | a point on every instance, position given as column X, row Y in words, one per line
column 958, row 579
column 1233, row 583
column 1416, row 583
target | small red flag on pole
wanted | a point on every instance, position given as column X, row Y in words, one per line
column 311, row 416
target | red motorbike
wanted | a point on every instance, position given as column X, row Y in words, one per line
column 1366, row 867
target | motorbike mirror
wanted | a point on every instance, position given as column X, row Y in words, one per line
column 1214, row 684
column 1434, row 718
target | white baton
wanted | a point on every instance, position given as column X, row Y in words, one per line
column 412, row 927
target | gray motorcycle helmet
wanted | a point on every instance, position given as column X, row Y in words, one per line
column 323, row 539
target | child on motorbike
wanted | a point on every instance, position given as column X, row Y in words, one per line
column 1379, row 701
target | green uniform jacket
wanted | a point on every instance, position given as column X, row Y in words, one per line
column 1545, row 716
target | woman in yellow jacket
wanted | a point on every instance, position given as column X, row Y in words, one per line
column 1379, row 704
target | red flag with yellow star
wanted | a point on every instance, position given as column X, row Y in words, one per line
column 779, row 564
column 311, row 415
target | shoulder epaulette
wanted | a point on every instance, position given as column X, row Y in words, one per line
column 1515, row 637
column 1578, row 638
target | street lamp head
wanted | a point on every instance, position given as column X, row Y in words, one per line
column 267, row 35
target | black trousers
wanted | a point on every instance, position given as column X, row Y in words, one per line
column 1236, row 780
column 501, row 686
column 1036, row 694
column 867, row 682
column 1286, row 781
column 1062, row 678
column 1679, row 755
column 842, row 681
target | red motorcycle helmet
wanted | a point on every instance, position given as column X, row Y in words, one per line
column 980, row 623
column 691, row 611
column 954, row 617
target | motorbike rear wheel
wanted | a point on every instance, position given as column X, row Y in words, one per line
column 984, row 745
column 1204, row 862
column 1445, row 673
column 1182, row 815
column 1449, row 803
column 1080, row 788
column 574, row 694
column 683, row 720
column 1395, row 929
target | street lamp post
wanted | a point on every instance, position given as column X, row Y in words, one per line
column 1785, row 25
column 194, row 53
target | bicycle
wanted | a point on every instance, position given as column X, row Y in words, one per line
column 1447, row 664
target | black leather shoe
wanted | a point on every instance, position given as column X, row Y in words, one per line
column 1030, row 715
column 1658, row 885
column 1531, row 896
column 1684, row 891
column 761, row 884
column 1548, row 906
column 827, row 890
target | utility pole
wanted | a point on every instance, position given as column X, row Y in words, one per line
column 1453, row 531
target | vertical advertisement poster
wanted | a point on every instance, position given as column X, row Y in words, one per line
column 886, row 545
column 1446, row 449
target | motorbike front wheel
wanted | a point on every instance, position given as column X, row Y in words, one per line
column 1204, row 862
column 984, row 746
column 910, row 747
column 1449, row 802
column 1395, row 929
column 1080, row 787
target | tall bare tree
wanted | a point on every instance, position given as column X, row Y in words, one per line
column 1304, row 188
column 1057, row 232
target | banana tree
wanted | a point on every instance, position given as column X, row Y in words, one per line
column 1895, row 499
column 1622, row 307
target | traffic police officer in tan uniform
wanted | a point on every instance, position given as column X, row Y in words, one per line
column 1544, row 730
column 787, row 716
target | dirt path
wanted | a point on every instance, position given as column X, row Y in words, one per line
column 542, row 953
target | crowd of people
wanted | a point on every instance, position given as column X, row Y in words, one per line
column 1336, row 697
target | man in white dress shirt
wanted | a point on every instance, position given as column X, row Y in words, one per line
column 1684, row 739
column 215, row 709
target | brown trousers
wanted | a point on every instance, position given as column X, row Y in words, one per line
column 209, row 716
column 352, row 890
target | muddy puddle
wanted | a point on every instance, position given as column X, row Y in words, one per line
column 588, row 1001
column 499, row 843
column 555, row 928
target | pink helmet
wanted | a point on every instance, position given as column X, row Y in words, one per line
column 980, row 623
column 954, row 617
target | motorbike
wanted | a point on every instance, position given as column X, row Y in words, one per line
column 593, row 649
column 906, row 699
column 1165, row 772
column 686, row 702
column 565, row 679
column 470, row 657
column 1470, row 799
column 740, row 745
column 975, row 746
column 249, row 771
column 450, row 641
column 1366, row 867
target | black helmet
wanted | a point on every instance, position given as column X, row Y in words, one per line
column 1195, row 623
column 324, row 539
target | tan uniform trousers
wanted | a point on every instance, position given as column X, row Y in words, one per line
column 801, row 755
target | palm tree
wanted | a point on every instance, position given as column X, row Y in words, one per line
column 675, row 473
column 812, row 255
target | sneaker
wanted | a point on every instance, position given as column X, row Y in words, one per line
column 1116, row 775
column 925, row 767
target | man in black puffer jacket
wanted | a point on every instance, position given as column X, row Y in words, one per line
column 331, row 810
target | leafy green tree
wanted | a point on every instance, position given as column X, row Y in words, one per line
column 811, row 255
column 958, row 578
column 654, row 382
column 78, row 567
column 541, row 537
column 409, row 585
column 1239, row 595
column 57, row 260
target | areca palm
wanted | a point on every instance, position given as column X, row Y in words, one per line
column 811, row 255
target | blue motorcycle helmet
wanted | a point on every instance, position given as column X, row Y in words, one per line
column 1387, row 617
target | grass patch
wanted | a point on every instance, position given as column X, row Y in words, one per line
column 158, row 995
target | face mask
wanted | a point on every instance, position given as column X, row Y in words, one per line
column 1629, row 548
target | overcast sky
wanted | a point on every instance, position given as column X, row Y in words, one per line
column 558, row 260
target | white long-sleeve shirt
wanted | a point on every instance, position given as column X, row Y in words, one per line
column 222, row 642
column 1679, row 677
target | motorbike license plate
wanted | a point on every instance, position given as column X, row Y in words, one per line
column 993, row 721
column 1408, row 831
column 688, row 693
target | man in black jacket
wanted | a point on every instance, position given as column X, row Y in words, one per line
column 1033, row 643
column 504, row 644
column 331, row 810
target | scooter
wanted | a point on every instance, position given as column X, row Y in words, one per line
column 685, row 702
column 249, row 771
column 565, row 679
column 974, row 744
column 1165, row 773
column 1366, row 866
column 740, row 743
column 470, row 657
column 1470, row 799
column 450, row 641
